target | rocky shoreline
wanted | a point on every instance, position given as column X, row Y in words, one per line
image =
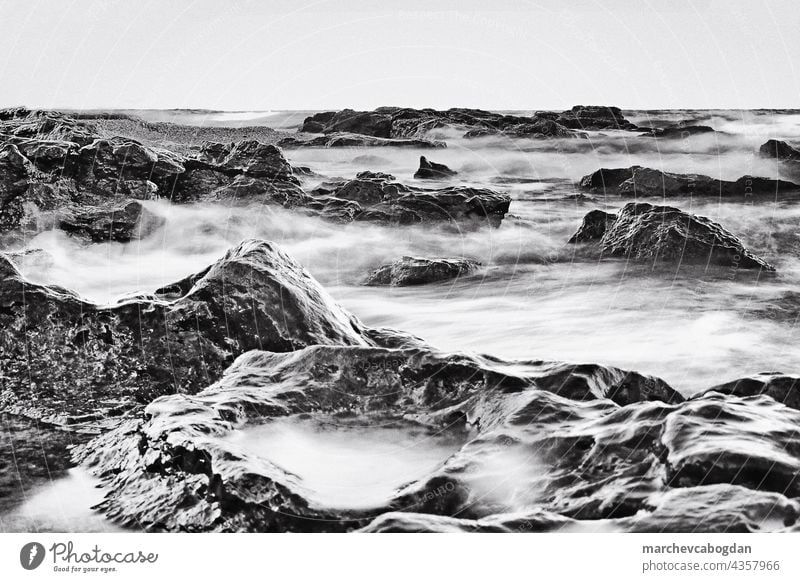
column 159, row 380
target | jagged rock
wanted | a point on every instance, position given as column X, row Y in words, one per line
column 647, row 182
column 48, row 126
column 248, row 157
column 63, row 358
column 680, row 131
column 780, row 387
column 757, row 446
column 352, row 140
column 595, row 117
column 370, row 175
column 594, row 226
column 121, row 223
column 662, row 233
column 779, row 150
column 407, row 123
column 432, row 171
column 155, row 469
column 419, row 271
column 377, row 199
column 607, row 178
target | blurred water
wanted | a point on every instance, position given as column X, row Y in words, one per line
column 536, row 296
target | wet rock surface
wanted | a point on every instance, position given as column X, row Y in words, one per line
column 642, row 231
column 70, row 361
column 397, row 122
column 432, row 171
column 419, row 271
column 546, row 447
column 637, row 182
column 121, row 223
column 374, row 197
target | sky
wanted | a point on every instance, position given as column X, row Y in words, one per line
column 504, row 54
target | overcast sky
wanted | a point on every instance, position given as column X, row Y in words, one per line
column 295, row 54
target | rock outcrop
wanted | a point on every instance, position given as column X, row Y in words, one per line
column 641, row 231
column 405, row 123
column 419, row 271
column 545, row 447
column 122, row 222
column 67, row 360
column 639, row 182
column 353, row 140
column 432, row 171
column 779, row 150
column 375, row 198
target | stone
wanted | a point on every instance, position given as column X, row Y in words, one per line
column 432, row 171
column 642, row 231
column 419, row 271
column 120, row 223
column 63, row 358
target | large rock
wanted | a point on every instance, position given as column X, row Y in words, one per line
column 408, row 123
column 642, row 231
column 432, row 171
column 177, row 470
column 595, row 117
column 116, row 222
column 353, row 140
column 639, row 182
column 419, row 271
column 779, row 150
column 376, row 198
column 65, row 359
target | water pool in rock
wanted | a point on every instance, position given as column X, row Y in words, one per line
column 348, row 464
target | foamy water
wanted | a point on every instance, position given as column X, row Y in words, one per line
column 535, row 297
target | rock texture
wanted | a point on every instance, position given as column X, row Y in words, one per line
column 397, row 122
column 173, row 471
column 374, row 197
column 354, row 140
column 432, row 171
column 546, row 446
column 68, row 361
column 641, row 231
column 123, row 223
column 419, row 271
column 779, row 150
column 639, row 182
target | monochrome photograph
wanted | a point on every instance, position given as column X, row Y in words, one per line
column 337, row 267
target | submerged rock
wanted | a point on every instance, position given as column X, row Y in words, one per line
column 680, row 131
column 432, row 171
column 418, row 271
column 637, row 181
column 68, row 360
column 642, row 231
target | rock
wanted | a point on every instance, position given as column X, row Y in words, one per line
column 63, row 358
column 642, row 231
column 248, row 157
column 347, row 120
column 647, row 182
column 594, row 226
column 175, row 470
column 680, row 131
column 121, row 223
column 607, row 179
column 756, row 446
column 780, row 387
column 47, row 126
column 419, row 271
column 377, row 199
column 352, row 140
column 408, row 123
column 595, row 117
column 370, row 175
column 779, row 150
column 432, row 171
